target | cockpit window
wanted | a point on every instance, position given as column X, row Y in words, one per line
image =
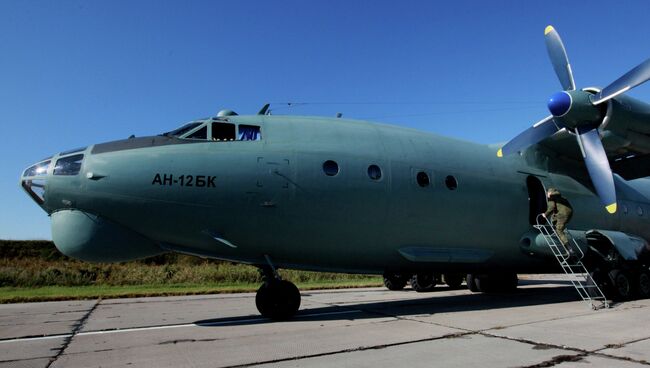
column 38, row 169
column 249, row 133
column 182, row 130
column 223, row 132
column 218, row 131
column 68, row 165
column 72, row 151
column 199, row 134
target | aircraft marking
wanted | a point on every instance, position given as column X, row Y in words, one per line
column 200, row 181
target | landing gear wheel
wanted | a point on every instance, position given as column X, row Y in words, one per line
column 471, row 283
column 423, row 282
column 277, row 299
column 497, row 283
column 622, row 285
column 453, row 280
column 643, row 281
column 395, row 281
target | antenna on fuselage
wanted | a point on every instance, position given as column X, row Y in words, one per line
column 264, row 110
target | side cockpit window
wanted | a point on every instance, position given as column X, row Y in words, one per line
column 182, row 130
column 223, row 132
column 249, row 133
column 199, row 134
column 69, row 165
column 217, row 131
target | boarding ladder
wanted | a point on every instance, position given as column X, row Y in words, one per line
column 572, row 265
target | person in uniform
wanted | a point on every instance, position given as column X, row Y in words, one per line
column 560, row 212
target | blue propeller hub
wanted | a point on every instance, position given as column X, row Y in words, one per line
column 559, row 104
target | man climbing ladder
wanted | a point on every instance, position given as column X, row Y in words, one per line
column 561, row 212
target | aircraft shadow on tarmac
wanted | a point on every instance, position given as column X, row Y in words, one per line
column 523, row 297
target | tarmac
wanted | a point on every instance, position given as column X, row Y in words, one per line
column 544, row 324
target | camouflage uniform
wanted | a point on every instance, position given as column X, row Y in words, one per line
column 561, row 212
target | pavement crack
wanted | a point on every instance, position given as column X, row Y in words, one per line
column 580, row 352
column 180, row 341
column 77, row 327
column 397, row 317
column 623, row 344
column 360, row 348
column 558, row 360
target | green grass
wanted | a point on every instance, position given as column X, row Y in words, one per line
column 52, row 293
column 37, row 271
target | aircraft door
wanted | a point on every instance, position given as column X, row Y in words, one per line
column 536, row 198
column 275, row 181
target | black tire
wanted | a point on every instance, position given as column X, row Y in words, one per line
column 622, row 285
column 471, row 283
column 497, row 283
column 643, row 284
column 277, row 299
column 423, row 282
column 509, row 283
column 395, row 281
column 453, row 280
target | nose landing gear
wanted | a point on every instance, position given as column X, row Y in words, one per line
column 276, row 299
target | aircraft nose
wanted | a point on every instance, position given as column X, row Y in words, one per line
column 34, row 179
column 49, row 172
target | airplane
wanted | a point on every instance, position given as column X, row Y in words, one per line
column 340, row 195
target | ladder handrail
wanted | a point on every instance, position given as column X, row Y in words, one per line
column 578, row 274
column 570, row 237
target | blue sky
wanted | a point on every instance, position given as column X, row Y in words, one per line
column 74, row 73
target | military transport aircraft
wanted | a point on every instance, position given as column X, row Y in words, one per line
column 340, row 195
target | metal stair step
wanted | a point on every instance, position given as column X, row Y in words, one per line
column 577, row 273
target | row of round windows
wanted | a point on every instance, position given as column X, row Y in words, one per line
column 331, row 168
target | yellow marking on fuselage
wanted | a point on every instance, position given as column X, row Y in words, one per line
column 500, row 153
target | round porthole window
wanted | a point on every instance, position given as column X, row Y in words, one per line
column 451, row 182
column 423, row 179
column 331, row 168
column 374, row 172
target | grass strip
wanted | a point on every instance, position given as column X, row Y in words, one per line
column 54, row 293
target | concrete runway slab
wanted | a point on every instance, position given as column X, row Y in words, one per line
column 542, row 325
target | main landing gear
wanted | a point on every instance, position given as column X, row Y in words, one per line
column 492, row 283
column 276, row 299
column 422, row 281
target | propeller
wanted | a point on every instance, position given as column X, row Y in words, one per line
column 559, row 58
column 579, row 113
column 631, row 79
column 530, row 136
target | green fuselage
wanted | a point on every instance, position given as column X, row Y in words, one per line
column 271, row 197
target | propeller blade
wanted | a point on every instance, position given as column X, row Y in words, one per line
column 559, row 58
column 544, row 128
column 631, row 79
column 598, row 166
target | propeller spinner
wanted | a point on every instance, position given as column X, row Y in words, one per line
column 581, row 113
